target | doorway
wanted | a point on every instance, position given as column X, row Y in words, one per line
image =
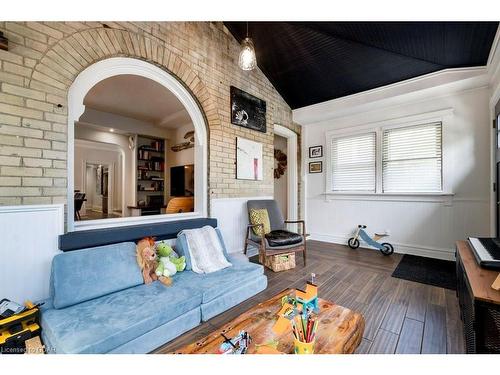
column 287, row 190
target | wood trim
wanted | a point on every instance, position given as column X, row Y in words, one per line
column 480, row 279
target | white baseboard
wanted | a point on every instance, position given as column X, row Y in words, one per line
column 423, row 251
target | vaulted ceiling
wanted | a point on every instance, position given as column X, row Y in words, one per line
column 311, row 62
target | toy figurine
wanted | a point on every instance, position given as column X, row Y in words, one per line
column 236, row 345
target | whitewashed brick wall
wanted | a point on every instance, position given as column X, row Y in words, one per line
column 43, row 60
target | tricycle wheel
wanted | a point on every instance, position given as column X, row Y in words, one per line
column 387, row 248
column 353, row 243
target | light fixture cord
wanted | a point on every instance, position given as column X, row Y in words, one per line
column 247, row 29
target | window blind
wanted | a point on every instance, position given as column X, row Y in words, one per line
column 353, row 163
column 412, row 159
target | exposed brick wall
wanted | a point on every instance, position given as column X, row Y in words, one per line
column 43, row 60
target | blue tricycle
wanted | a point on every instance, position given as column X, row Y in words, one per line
column 384, row 247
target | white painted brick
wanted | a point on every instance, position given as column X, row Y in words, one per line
column 45, row 29
column 10, row 201
column 36, row 124
column 21, row 171
column 24, row 31
column 11, row 78
column 60, row 182
column 11, row 99
column 10, row 160
column 10, row 181
column 21, row 131
column 53, row 117
column 20, row 151
column 51, row 172
column 20, row 111
column 61, row 164
column 17, row 69
column 9, row 56
column 39, row 105
column 55, row 136
column 59, row 199
column 37, row 181
column 19, row 191
column 11, row 140
column 36, row 143
column 60, row 128
column 36, row 162
column 22, row 91
column 61, row 146
column 50, row 154
column 10, row 120
column 53, row 191
column 37, row 200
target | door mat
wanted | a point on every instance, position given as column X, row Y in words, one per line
column 437, row 272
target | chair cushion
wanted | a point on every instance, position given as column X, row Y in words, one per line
column 102, row 324
column 283, row 238
column 81, row 275
column 213, row 285
column 260, row 216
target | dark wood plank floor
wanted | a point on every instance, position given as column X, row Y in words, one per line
column 401, row 316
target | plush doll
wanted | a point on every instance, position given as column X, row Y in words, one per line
column 148, row 261
column 165, row 251
column 165, row 266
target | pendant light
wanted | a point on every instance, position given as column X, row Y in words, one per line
column 247, row 60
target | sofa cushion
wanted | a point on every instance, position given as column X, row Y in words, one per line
column 102, row 324
column 85, row 274
column 212, row 285
column 181, row 248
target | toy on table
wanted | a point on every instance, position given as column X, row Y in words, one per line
column 384, row 247
column 303, row 303
column 236, row 345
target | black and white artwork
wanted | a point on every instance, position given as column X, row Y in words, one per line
column 315, row 152
column 247, row 110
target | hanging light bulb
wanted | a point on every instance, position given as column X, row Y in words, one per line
column 247, row 60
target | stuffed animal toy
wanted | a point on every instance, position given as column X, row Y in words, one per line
column 165, row 251
column 148, row 261
column 166, row 267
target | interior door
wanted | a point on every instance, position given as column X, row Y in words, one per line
column 497, row 163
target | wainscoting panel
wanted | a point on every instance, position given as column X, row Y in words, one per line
column 29, row 242
column 232, row 217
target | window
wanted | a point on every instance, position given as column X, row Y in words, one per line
column 353, row 163
column 412, row 159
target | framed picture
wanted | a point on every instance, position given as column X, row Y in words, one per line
column 248, row 159
column 315, row 152
column 247, row 110
column 316, row 167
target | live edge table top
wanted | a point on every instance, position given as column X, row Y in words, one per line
column 339, row 331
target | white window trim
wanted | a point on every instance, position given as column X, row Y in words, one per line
column 124, row 65
column 443, row 116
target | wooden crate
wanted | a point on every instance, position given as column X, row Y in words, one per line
column 281, row 262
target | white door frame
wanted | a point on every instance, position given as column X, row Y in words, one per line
column 124, row 65
column 292, row 180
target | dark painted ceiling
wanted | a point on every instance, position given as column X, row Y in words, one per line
column 311, row 62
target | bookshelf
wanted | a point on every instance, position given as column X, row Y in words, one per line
column 150, row 182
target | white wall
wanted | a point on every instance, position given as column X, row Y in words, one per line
column 29, row 241
column 280, row 184
column 427, row 226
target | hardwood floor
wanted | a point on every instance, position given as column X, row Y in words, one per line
column 401, row 316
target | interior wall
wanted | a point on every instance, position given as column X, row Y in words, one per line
column 280, row 184
column 418, row 225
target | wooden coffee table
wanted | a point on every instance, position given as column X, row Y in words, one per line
column 340, row 330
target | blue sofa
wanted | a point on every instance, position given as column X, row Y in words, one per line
column 99, row 303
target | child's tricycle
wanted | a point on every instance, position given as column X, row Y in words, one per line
column 384, row 247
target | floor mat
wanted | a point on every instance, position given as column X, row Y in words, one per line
column 429, row 271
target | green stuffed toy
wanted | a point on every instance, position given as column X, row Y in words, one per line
column 171, row 262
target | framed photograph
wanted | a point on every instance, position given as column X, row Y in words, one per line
column 247, row 110
column 316, row 167
column 315, row 152
column 248, row 159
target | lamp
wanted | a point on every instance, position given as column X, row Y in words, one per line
column 247, row 59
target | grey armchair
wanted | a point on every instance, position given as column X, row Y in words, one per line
column 280, row 240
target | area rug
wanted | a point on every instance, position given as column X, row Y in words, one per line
column 440, row 273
